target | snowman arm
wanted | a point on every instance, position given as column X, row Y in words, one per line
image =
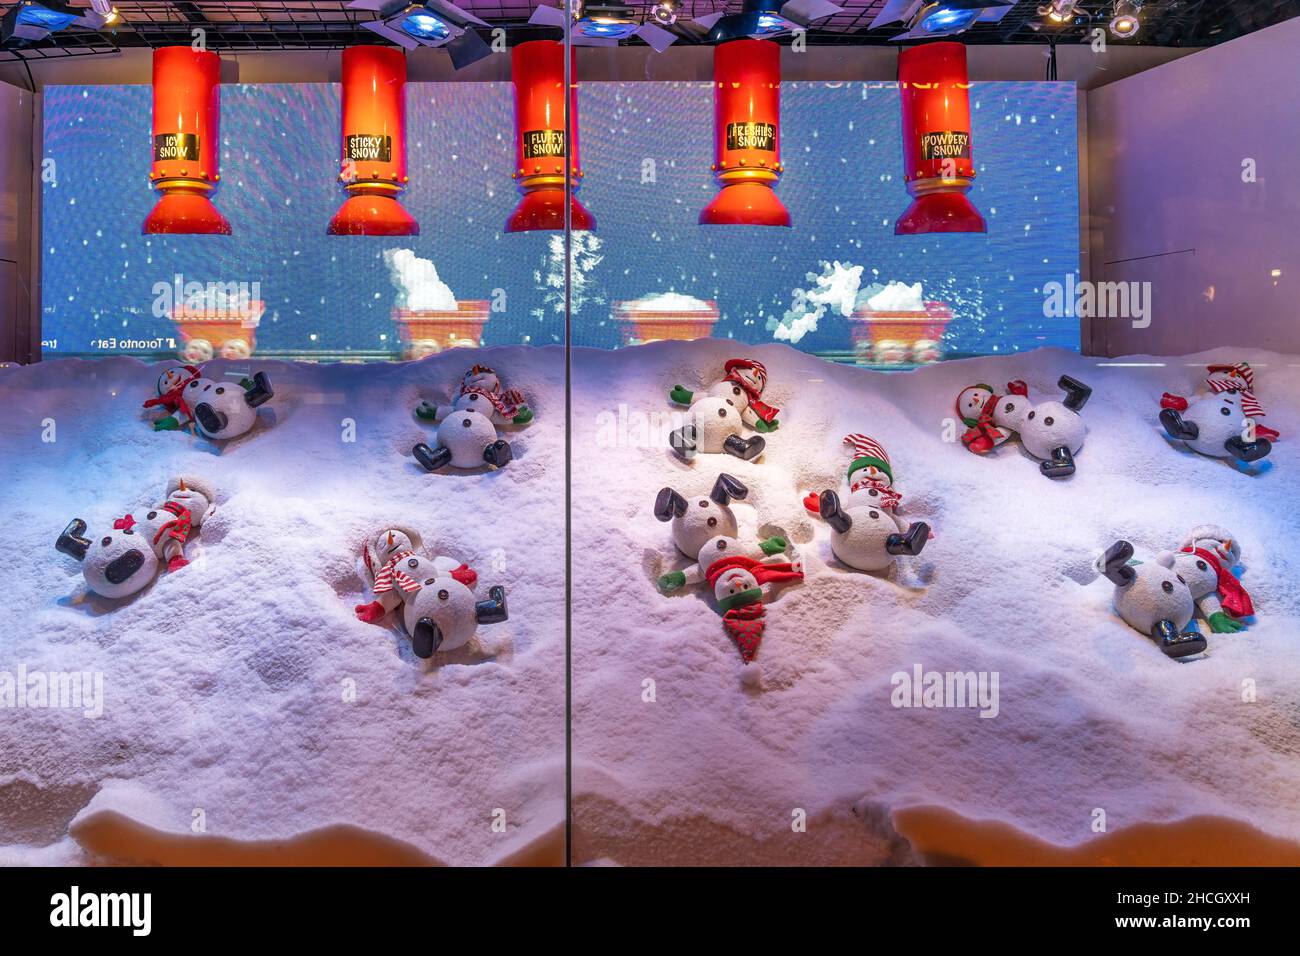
column 748, row 417
column 694, row 575
column 1210, row 604
column 389, row 599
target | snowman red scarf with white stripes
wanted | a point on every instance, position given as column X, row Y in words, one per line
column 1238, row 379
column 506, row 402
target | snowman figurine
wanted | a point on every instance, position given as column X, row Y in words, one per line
column 868, row 535
column 718, row 414
column 1205, row 562
column 1052, row 432
column 171, row 397
column 1220, row 422
column 395, row 570
column 720, row 548
column 481, row 391
column 737, row 582
column 222, row 410
column 115, row 565
column 1153, row 599
column 695, row 523
column 443, row 614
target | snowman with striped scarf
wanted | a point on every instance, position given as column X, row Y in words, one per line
column 394, row 570
column 1221, row 420
column 467, row 427
column 720, row 414
column 866, row 534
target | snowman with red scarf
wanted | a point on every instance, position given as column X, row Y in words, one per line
column 467, row 428
column 868, row 535
column 1052, row 432
column 718, row 414
column 1221, row 421
column 1205, row 562
column 171, row 397
column 396, row 571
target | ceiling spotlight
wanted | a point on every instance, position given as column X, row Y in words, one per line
column 765, row 19
column 925, row 19
column 1060, row 12
column 30, row 22
column 665, row 12
column 432, row 23
column 1125, row 23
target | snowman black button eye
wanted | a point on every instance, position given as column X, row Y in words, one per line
column 729, row 402
column 443, row 595
column 1167, row 586
column 1011, row 407
column 465, row 423
column 106, row 542
column 152, row 515
column 473, row 398
column 194, row 384
column 873, row 493
column 722, row 412
column 735, row 390
column 704, row 503
column 722, row 546
column 413, row 563
column 429, row 581
column 221, row 391
column 1031, row 416
column 874, row 514
column 713, row 522
column 1200, row 565
column 1049, row 420
column 1225, row 411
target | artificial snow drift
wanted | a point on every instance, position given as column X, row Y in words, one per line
column 682, row 754
column 248, row 716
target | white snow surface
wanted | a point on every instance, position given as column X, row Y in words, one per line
column 224, row 682
column 417, row 283
column 898, row 297
column 1091, row 714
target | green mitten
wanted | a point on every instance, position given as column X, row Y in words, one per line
column 168, row 424
column 1220, row 623
column 672, row 580
column 762, row 426
column 772, row 545
column 524, row 416
column 681, row 395
column 427, row 412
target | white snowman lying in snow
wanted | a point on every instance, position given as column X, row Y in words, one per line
column 222, row 410
column 1221, row 421
column 126, row 558
column 1205, row 563
column 868, row 535
column 1052, row 432
column 467, row 428
column 1153, row 599
column 445, row 617
column 719, row 414
column 705, row 531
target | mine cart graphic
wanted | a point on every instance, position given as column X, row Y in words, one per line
column 902, row 337
column 640, row 325
column 426, row 331
column 228, row 331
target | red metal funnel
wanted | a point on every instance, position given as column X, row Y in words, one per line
column 746, row 135
column 934, row 86
column 186, row 115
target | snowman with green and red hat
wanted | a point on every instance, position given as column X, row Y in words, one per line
column 867, row 534
column 721, row 412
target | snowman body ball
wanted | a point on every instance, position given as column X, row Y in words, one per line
column 1152, row 599
column 444, row 614
column 114, row 565
column 697, row 521
column 224, row 410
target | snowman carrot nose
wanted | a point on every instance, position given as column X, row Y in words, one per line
column 182, row 485
column 390, row 539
